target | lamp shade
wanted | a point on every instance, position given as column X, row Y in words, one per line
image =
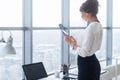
column 8, row 48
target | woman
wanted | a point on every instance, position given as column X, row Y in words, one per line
column 88, row 65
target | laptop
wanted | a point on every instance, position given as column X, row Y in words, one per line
column 34, row 71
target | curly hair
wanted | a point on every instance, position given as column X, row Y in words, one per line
column 90, row 6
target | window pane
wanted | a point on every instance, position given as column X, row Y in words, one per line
column 10, row 65
column 10, row 13
column 116, row 44
column 75, row 15
column 116, row 13
column 79, row 36
column 46, row 13
column 102, row 12
column 47, row 48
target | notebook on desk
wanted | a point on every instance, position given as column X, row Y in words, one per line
column 34, row 71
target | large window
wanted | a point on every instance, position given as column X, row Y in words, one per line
column 10, row 64
column 11, row 13
column 47, row 48
column 46, row 13
column 46, row 37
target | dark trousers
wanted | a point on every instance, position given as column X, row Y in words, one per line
column 88, row 68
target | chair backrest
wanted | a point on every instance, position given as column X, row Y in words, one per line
column 34, row 71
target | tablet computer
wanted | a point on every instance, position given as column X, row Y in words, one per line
column 64, row 32
column 63, row 29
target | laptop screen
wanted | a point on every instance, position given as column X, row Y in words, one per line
column 34, row 71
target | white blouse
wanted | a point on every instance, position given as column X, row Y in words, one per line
column 93, row 40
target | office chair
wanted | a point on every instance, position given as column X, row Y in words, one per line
column 34, row 71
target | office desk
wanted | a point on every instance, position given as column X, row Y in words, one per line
column 72, row 75
column 61, row 77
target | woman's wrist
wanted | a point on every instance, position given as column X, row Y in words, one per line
column 75, row 47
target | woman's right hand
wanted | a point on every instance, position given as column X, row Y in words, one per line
column 67, row 39
column 71, row 41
